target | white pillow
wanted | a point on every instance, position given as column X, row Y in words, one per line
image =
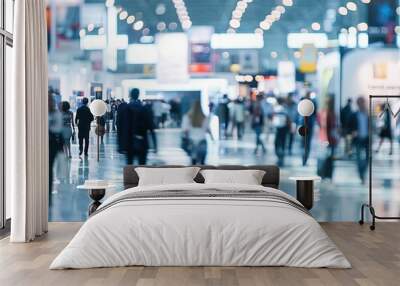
column 166, row 176
column 247, row 177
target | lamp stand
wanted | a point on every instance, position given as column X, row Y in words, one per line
column 305, row 140
column 98, row 137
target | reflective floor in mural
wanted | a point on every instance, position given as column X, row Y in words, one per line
column 336, row 200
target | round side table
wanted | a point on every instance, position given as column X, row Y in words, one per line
column 96, row 193
column 305, row 189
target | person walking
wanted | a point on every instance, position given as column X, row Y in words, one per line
column 83, row 120
column 346, row 114
column 195, row 126
column 140, row 121
column 385, row 132
column 291, row 110
column 328, row 136
column 361, row 137
column 68, row 127
column 55, row 138
column 238, row 117
column 257, row 123
column 223, row 115
column 281, row 122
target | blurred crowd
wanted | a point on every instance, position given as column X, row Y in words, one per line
column 342, row 134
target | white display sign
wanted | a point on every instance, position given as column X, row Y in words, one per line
column 371, row 72
column 173, row 57
column 237, row 41
column 286, row 77
column 141, row 54
column 93, row 42
column 298, row 40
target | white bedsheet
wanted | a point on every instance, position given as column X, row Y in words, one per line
column 219, row 232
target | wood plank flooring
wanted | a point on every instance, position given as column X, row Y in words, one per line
column 375, row 257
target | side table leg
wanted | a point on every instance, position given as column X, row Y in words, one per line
column 96, row 195
column 305, row 193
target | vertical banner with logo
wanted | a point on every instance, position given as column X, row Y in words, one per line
column 308, row 59
column 173, row 58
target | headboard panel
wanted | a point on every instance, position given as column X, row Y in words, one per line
column 271, row 177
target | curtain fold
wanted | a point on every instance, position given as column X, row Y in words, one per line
column 27, row 135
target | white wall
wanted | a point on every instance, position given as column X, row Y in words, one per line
column 371, row 72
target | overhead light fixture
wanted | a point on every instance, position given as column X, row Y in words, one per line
column 138, row 25
column 130, row 19
column 342, row 11
column 123, row 15
column 366, row 1
column 273, row 16
column 316, row 26
column 362, row 27
column 351, row 6
column 183, row 14
column 237, row 13
column 287, row 3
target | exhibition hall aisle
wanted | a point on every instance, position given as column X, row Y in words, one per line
column 336, row 200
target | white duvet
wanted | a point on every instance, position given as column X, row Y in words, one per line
column 202, row 232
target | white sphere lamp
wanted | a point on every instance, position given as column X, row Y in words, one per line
column 98, row 107
column 306, row 107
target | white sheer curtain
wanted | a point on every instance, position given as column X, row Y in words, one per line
column 27, row 133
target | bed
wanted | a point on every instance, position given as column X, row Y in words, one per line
column 198, row 224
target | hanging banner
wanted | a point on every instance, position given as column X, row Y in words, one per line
column 173, row 58
column 308, row 59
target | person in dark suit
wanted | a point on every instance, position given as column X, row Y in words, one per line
column 83, row 120
column 135, row 121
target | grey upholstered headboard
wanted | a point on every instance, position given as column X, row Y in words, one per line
column 271, row 177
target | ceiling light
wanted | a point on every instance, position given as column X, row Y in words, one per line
column 342, row 11
column 259, row 31
column 161, row 9
column 161, row 26
column 123, row 15
column 366, row 1
column 297, row 54
column 90, row 27
column 138, row 25
column 287, row 2
column 316, row 26
column 352, row 30
column 101, row 31
column 351, row 6
column 280, row 9
column 274, row 55
column 186, row 24
column 172, row 26
column 265, row 25
column 362, row 27
column 234, row 23
column 130, row 19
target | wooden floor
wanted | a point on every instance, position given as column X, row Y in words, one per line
column 375, row 257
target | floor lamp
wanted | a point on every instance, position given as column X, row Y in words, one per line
column 98, row 108
column 305, row 108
